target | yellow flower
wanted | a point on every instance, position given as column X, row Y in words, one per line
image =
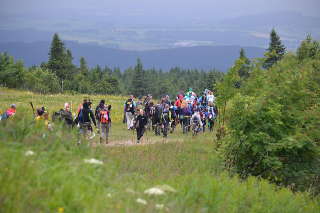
column 60, row 210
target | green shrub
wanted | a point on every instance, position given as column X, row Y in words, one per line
column 273, row 124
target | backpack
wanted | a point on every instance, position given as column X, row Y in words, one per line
column 158, row 112
column 129, row 106
column 80, row 116
column 104, row 116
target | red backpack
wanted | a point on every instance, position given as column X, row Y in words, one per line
column 104, row 116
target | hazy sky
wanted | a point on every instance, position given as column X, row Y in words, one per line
column 196, row 8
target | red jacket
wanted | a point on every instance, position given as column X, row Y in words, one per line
column 10, row 112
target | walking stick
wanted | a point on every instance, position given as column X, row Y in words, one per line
column 32, row 109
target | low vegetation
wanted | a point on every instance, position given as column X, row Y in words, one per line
column 45, row 171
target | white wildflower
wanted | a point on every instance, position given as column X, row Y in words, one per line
column 166, row 188
column 159, row 206
column 141, row 201
column 93, row 161
column 109, row 195
column 154, row 191
column 29, row 153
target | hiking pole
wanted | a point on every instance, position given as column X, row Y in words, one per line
column 32, row 109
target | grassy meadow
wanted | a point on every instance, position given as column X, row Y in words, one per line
column 45, row 171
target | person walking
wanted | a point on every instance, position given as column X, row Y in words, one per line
column 141, row 122
column 83, row 119
column 165, row 120
column 104, row 123
column 97, row 113
column 130, row 109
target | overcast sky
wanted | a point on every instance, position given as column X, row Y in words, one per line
column 195, row 8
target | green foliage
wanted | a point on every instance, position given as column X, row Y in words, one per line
column 11, row 73
column 139, row 81
column 43, row 81
column 275, row 52
column 272, row 122
column 308, row 49
column 59, row 58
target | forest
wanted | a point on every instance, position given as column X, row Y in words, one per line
column 60, row 75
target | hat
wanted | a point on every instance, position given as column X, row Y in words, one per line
column 13, row 106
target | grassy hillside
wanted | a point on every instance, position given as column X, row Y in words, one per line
column 56, row 178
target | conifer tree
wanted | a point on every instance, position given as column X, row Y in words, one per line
column 58, row 58
column 308, row 48
column 275, row 52
column 83, row 66
column 245, row 67
column 138, row 81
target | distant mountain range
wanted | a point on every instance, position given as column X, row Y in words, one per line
column 200, row 57
column 144, row 33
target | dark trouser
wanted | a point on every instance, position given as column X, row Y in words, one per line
column 186, row 124
column 211, row 124
column 173, row 123
column 204, row 123
column 156, row 125
column 165, row 129
column 140, row 132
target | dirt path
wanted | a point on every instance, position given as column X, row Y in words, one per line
column 129, row 142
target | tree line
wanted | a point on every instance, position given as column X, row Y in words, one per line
column 59, row 74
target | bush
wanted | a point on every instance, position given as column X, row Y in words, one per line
column 273, row 124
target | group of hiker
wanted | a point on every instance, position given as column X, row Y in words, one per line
column 194, row 113
column 191, row 111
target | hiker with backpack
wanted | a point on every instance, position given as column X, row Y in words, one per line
column 174, row 116
column 9, row 112
column 156, row 118
column 84, row 119
column 97, row 113
column 140, row 124
column 64, row 115
column 165, row 120
column 42, row 117
column 196, row 122
column 130, row 110
column 104, row 121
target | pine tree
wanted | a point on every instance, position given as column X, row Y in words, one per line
column 275, row 52
column 308, row 49
column 58, row 58
column 138, row 81
column 83, row 67
column 243, row 56
column 245, row 67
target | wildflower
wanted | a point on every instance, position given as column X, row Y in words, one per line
column 60, row 210
column 166, row 188
column 141, row 201
column 154, row 191
column 159, row 206
column 93, row 161
column 109, row 195
column 29, row 153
